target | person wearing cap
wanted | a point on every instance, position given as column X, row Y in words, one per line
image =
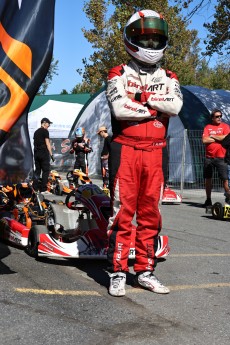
column 103, row 133
column 42, row 155
column 142, row 97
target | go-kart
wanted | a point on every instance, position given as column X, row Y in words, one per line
column 76, row 175
column 74, row 229
column 220, row 211
column 170, row 196
column 78, row 228
column 20, row 208
column 57, row 185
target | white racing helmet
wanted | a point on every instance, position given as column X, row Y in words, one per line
column 145, row 36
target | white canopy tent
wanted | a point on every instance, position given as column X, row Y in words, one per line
column 62, row 114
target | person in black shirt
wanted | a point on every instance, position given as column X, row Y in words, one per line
column 102, row 131
column 81, row 147
column 42, row 154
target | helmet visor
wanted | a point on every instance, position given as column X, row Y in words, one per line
column 151, row 41
column 79, row 132
column 147, row 26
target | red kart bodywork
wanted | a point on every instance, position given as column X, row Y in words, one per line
column 170, row 196
column 86, row 239
column 89, row 238
column 14, row 232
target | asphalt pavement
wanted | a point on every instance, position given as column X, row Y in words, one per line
column 53, row 301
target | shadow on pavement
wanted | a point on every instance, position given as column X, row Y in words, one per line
column 193, row 204
column 4, row 252
column 95, row 269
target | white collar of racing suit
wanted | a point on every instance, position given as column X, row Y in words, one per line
column 141, row 68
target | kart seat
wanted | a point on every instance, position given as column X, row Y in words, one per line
column 64, row 216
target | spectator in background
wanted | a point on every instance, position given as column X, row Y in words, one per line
column 42, row 155
column 225, row 142
column 215, row 154
column 103, row 133
column 81, row 147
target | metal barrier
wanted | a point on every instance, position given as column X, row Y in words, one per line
column 186, row 161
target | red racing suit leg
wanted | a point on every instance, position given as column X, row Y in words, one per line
column 136, row 182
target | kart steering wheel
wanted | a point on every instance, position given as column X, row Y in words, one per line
column 71, row 204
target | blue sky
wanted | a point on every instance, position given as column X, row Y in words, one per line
column 70, row 46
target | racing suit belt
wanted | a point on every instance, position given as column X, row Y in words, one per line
column 140, row 143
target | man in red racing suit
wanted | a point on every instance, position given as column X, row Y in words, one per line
column 142, row 98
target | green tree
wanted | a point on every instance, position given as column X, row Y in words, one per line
column 219, row 30
column 213, row 78
column 203, row 75
column 108, row 19
column 51, row 72
column 220, row 77
column 218, row 27
column 81, row 88
column 64, row 92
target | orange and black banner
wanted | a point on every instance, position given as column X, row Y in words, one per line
column 26, row 48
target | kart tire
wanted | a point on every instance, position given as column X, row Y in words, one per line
column 33, row 239
column 218, row 211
